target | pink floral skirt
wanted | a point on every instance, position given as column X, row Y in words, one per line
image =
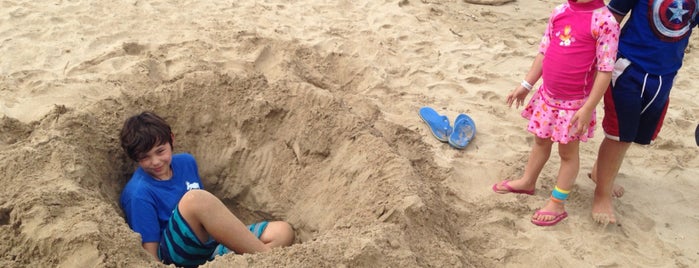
column 550, row 118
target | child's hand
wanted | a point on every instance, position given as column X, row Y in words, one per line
column 517, row 96
column 581, row 120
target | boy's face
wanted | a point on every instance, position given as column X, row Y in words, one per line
column 156, row 162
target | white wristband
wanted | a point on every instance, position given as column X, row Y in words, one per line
column 526, row 85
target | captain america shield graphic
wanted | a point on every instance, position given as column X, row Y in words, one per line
column 671, row 19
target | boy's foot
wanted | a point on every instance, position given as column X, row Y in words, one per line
column 550, row 214
column 617, row 190
column 515, row 187
column 602, row 210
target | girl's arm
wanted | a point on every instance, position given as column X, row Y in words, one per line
column 520, row 92
column 582, row 117
column 607, row 46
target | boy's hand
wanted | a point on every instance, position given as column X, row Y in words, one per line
column 517, row 96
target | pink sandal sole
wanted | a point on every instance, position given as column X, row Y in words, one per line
column 558, row 217
column 509, row 189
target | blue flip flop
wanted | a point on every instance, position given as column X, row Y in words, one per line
column 464, row 131
column 439, row 124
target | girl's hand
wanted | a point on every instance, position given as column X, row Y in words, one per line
column 517, row 96
column 581, row 120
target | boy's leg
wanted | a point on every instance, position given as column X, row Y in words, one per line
column 273, row 234
column 538, row 156
column 633, row 112
column 208, row 217
column 609, row 158
column 617, row 190
column 570, row 164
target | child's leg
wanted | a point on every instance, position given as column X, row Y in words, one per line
column 570, row 164
column 617, row 190
column 540, row 153
column 278, row 234
column 208, row 217
column 609, row 159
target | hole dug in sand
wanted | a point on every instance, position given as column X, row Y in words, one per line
column 359, row 190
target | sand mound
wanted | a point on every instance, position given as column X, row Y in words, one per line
column 300, row 149
column 307, row 112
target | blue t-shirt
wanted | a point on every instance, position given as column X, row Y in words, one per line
column 148, row 203
column 657, row 32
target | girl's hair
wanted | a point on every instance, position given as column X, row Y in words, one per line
column 142, row 132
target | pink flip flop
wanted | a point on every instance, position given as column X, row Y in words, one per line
column 509, row 189
column 558, row 217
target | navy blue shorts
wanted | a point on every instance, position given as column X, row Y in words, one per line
column 180, row 246
column 635, row 106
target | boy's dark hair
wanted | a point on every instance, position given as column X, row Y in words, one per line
column 142, row 132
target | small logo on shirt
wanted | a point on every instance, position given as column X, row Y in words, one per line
column 566, row 37
column 193, row 185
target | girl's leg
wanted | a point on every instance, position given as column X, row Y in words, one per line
column 540, row 153
column 570, row 164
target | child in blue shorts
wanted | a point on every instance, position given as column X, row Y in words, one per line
column 164, row 201
column 652, row 46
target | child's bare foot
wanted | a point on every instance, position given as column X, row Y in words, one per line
column 550, row 214
column 602, row 210
column 516, row 187
column 617, row 190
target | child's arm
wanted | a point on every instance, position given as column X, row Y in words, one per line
column 536, row 70
column 520, row 92
column 152, row 248
column 142, row 217
column 620, row 8
column 607, row 45
column 582, row 117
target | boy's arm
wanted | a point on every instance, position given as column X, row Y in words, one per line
column 152, row 248
column 618, row 17
column 141, row 215
column 620, row 8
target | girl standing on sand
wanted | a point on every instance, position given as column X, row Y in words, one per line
column 576, row 58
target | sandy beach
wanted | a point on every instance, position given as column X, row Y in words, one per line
column 307, row 111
